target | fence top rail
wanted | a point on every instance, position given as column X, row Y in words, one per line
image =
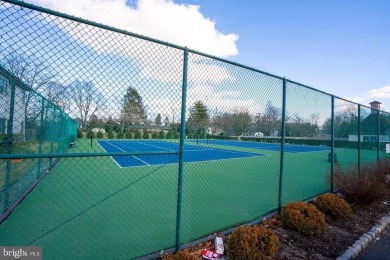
column 125, row 32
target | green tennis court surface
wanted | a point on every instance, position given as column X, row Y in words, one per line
column 86, row 207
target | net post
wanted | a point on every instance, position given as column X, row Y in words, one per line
column 181, row 151
column 359, row 139
column 332, row 149
column 283, row 130
column 10, row 127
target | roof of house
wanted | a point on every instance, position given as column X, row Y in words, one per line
column 369, row 125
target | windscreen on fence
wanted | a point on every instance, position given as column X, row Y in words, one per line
column 114, row 145
column 26, row 131
column 346, row 128
column 368, row 134
column 233, row 120
column 307, row 138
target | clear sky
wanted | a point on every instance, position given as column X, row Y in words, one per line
column 337, row 46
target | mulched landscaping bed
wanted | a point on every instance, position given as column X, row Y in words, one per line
column 340, row 234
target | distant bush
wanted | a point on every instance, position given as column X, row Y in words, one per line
column 368, row 186
column 79, row 133
column 110, row 135
column 330, row 203
column 137, row 135
column 129, row 135
column 252, row 243
column 99, row 135
column 169, row 135
column 304, row 218
column 145, row 134
column 120, row 136
column 161, row 135
column 154, row 135
column 90, row 134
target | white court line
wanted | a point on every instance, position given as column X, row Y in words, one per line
column 158, row 147
column 110, row 156
column 218, row 149
column 217, row 160
column 131, row 155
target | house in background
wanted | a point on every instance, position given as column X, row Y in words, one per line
column 369, row 126
column 18, row 114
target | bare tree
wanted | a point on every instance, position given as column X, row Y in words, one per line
column 86, row 98
column 270, row 121
column 58, row 94
column 35, row 73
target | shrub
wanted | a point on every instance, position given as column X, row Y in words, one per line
column 99, row 135
column 330, row 203
column 252, row 243
column 145, row 134
column 367, row 187
column 79, row 133
column 120, row 136
column 110, row 135
column 129, row 135
column 169, row 135
column 304, row 218
column 383, row 170
column 137, row 135
column 90, row 134
column 182, row 255
column 154, row 135
column 161, row 135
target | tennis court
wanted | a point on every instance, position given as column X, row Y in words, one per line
column 224, row 183
column 267, row 146
column 192, row 153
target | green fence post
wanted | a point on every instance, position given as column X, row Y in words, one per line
column 181, row 151
column 10, row 127
column 332, row 148
column 359, row 139
column 283, row 131
column 378, row 136
column 53, row 132
column 41, row 132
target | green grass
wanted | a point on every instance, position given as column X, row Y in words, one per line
column 90, row 208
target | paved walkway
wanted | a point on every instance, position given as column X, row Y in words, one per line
column 379, row 249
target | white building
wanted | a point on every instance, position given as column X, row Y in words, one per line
column 5, row 103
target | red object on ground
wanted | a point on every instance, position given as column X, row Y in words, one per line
column 208, row 254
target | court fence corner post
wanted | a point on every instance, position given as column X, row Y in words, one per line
column 359, row 140
column 283, row 133
column 378, row 149
column 332, row 154
column 181, row 152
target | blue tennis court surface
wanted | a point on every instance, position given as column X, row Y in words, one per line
column 192, row 153
column 267, row 146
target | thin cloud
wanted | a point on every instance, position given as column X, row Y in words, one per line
column 165, row 20
column 383, row 92
column 380, row 94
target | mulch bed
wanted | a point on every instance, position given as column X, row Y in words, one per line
column 340, row 234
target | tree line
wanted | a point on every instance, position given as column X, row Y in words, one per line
column 83, row 99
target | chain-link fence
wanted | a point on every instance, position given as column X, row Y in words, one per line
column 172, row 145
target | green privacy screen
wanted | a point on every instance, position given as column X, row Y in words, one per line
column 115, row 145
